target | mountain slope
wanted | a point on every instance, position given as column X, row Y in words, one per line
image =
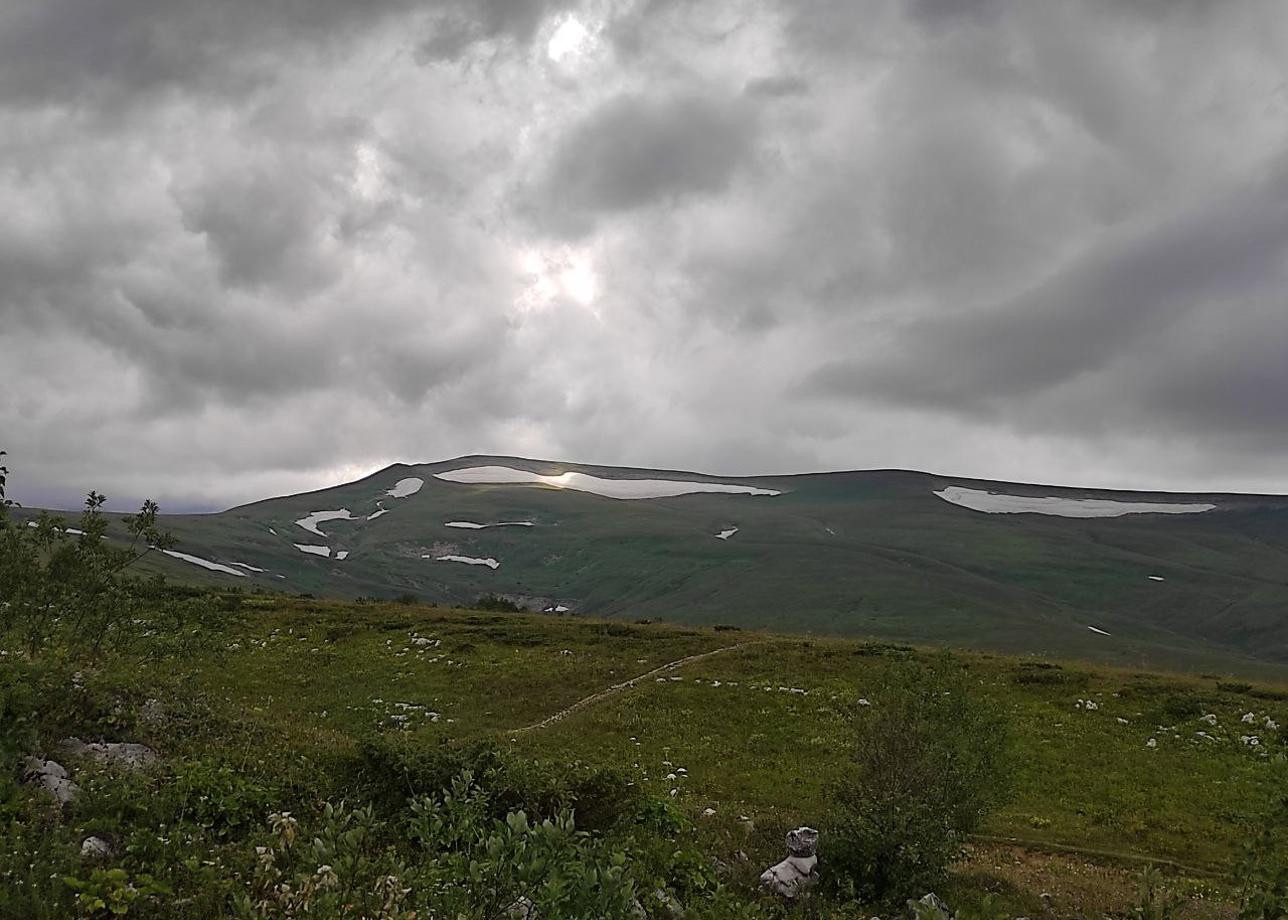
column 873, row 553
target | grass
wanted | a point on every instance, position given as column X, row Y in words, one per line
column 304, row 682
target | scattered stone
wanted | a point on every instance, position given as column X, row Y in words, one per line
column 522, row 909
column 799, row 871
column 1151, row 743
column 930, row 907
column 708, row 812
column 50, row 776
column 1209, row 718
column 95, row 848
column 152, row 713
column 672, row 907
column 1248, row 718
column 126, row 755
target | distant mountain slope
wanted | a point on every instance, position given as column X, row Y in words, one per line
column 874, row 553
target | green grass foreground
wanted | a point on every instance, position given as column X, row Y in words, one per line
column 293, row 689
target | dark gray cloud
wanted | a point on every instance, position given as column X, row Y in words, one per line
column 634, row 151
column 256, row 247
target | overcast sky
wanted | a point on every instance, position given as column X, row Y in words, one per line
column 250, row 247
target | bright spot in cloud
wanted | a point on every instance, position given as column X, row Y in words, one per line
column 564, row 273
column 570, row 37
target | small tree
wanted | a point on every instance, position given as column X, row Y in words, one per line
column 72, row 586
column 930, row 762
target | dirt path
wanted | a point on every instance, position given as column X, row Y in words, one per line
column 628, row 684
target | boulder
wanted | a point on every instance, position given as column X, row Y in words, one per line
column 930, row 907
column 126, row 755
column 50, row 776
column 799, row 871
column 95, row 848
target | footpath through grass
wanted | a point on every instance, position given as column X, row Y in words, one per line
column 760, row 731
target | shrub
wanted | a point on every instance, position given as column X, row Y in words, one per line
column 72, row 590
column 1180, row 707
column 1262, row 870
column 930, row 761
column 497, row 603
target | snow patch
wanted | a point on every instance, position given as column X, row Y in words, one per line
column 246, row 565
column 582, row 482
column 375, row 514
column 405, row 487
column 1000, row 503
column 315, row 550
column 67, row 530
column 468, row 560
column 470, row 525
column 1157, row 578
column 1099, row 632
column 342, row 555
column 204, row 563
column 726, row 534
column 315, row 518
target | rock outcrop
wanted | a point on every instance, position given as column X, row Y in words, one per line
column 50, row 776
column 126, row 755
column 799, row 871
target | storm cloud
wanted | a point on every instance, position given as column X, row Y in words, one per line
column 249, row 248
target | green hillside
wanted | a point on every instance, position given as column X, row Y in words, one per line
column 869, row 554
column 734, row 737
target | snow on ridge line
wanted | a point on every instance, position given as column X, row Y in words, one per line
column 583, row 482
column 468, row 560
column 314, row 550
column 71, row 531
column 315, row 518
column 204, row 563
column 470, row 525
column 1001, row 503
column 405, row 487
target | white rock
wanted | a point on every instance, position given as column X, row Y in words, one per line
column 791, row 877
column 1248, row 718
column 708, row 812
column 1151, row 743
column 95, row 848
column 1209, row 718
column 52, row 777
column 118, row 754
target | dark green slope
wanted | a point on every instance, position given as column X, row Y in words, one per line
column 859, row 553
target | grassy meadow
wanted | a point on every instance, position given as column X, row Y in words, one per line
column 756, row 732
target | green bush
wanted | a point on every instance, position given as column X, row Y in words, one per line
column 1262, row 870
column 496, row 603
column 929, row 762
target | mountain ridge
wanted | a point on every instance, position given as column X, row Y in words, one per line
column 876, row 553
